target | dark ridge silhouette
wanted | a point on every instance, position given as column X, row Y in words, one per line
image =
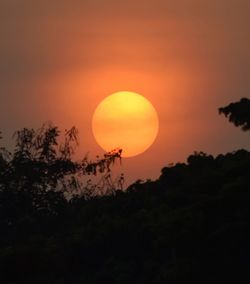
column 238, row 113
column 191, row 225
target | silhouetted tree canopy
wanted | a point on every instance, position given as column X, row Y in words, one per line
column 191, row 225
column 40, row 175
column 238, row 113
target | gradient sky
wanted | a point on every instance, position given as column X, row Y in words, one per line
column 59, row 59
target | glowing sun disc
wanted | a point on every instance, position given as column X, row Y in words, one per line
column 125, row 120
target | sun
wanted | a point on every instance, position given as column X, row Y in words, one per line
column 125, row 120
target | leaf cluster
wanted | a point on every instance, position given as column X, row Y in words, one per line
column 238, row 113
column 41, row 175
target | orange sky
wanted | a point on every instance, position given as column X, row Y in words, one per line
column 59, row 59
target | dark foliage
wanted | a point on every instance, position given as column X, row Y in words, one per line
column 39, row 178
column 238, row 113
column 190, row 226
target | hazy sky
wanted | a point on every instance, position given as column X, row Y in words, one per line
column 59, row 59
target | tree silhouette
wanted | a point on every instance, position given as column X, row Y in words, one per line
column 238, row 113
column 191, row 224
column 40, row 175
